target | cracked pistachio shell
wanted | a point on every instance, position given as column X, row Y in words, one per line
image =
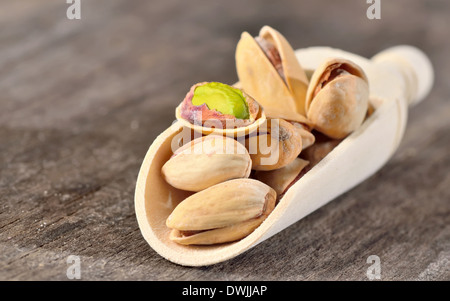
column 228, row 204
column 281, row 179
column 337, row 98
column 320, row 149
column 260, row 78
column 299, row 121
column 207, row 161
column 308, row 138
column 277, row 143
column 217, row 236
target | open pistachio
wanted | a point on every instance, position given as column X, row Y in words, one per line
column 276, row 144
column 308, row 138
column 269, row 71
column 337, row 98
column 299, row 121
column 221, row 213
column 219, row 106
column 281, row 179
column 207, row 161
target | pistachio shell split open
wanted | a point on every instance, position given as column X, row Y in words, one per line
column 212, row 107
column 269, row 71
column 299, row 121
column 221, row 213
column 308, row 138
column 337, row 98
column 281, row 179
column 320, row 149
column 276, row 144
column 219, row 235
column 207, row 161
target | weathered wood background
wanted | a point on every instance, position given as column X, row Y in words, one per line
column 81, row 102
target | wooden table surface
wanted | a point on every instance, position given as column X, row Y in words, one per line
column 82, row 100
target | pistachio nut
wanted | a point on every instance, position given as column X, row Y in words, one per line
column 207, row 161
column 213, row 105
column 269, row 71
column 221, row 213
column 281, row 179
column 276, row 144
column 337, row 98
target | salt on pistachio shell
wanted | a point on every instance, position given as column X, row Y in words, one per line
column 221, row 213
column 276, row 144
column 204, row 120
column 269, row 71
column 337, row 98
column 281, row 179
column 207, row 161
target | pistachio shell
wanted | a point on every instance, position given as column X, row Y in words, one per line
column 226, row 234
column 299, row 121
column 294, row 74
column 281, row 179
column 308, row 138
column 276, row 144
column 336, row 106
column 259, row 77
column 291, row 116
column 217, row 236
column 205, row 121
column 222, row 205
column 319, row 150
column 207, row 161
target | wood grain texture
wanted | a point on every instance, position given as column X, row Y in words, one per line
column 81, row 101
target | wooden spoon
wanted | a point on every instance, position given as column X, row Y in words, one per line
column 398, row 77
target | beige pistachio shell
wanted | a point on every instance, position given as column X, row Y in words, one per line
column 229, row 233
column 294, row 74
column 220, row 235
column 337, row 105
column 299, row 121
column 222, row 205
column 259, row 78
column 308, row 138
column 273, row 112
column 281, row 179
column 277, row 143
column 207, row 161
column 319, row 150
column 292, row 116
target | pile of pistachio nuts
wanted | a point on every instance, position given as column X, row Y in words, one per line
column 257, row 137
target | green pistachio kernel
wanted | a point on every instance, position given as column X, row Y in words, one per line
column 222, row 98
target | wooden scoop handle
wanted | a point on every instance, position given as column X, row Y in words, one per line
column 413, row 66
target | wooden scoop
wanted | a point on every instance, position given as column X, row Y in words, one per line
column 398, row 77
